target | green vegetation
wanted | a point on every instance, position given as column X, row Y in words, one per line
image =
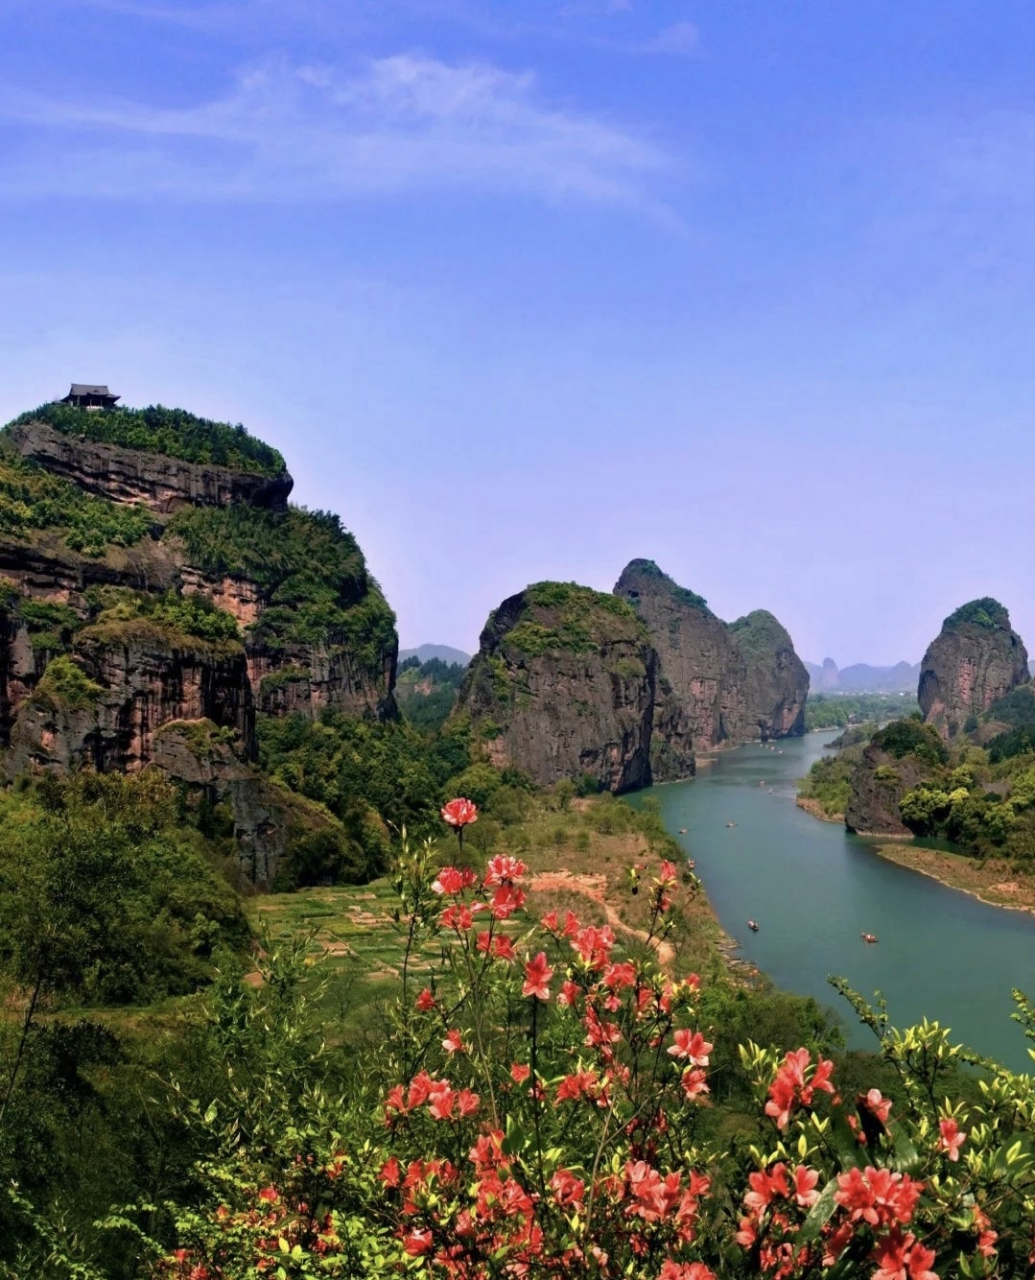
column 352, row 766
column 830, row 711
column 50, row 626
column 574, row 619
column 172, row 432
column 427, row 693
column 759, row 635
column 1015, row 742
column 1015, row 709
column 181, row 621
column 911, row 738
column 828, row 784
column 68, row 684
column 104, row 897
column 311, row 569
column 986, row 613
column 32, row 500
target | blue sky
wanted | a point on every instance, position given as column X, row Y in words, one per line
column 523, row 290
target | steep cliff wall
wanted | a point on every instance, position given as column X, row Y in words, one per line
column 141, row 588
column 701, row 673
column 975, row 660
column 563, row 687
column 777, row 682
column 718, row 685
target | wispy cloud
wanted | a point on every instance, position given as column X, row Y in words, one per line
column 289, row 131
column 680, row 38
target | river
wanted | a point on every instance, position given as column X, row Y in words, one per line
column 813, row 889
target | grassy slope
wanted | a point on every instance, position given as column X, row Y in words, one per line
column 573, row 864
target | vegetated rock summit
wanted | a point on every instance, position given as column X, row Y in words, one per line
column 157, row 591
column 974, row 685
column 976, row 659
column 625, row 688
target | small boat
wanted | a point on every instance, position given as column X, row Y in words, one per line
column 753, row 926
column 682, row 831
column 731, row 824
column 869, row 937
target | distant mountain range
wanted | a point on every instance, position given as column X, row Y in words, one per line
column 862, row 678
column 441, row 651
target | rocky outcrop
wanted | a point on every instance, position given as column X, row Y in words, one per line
column 102, row 648
column 878, row 783
column 718, row 685
column 975, row 660
column 563, row 687
column 777, row 682
column 131, row 475
column 269, row 823
column 626, row 688
column 136, row 678
column 699, row 698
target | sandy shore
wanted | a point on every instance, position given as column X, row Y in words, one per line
column 994, row 882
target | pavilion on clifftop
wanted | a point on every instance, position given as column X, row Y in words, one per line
column 85, row 395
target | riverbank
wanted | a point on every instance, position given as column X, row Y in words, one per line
column 816, row 810
column 993, row 882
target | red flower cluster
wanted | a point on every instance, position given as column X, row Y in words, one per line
column 795, row 1084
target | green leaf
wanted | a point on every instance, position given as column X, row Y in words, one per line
column 820, row 1213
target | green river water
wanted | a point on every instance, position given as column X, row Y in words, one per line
column 813, row 889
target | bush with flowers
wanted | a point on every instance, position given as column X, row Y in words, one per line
column 536, row 1111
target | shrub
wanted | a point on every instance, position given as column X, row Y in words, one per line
column 68, row 684
column 911, row 738
column 545, row 1115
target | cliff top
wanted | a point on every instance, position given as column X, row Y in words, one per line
column 639, row 574
column 173, row 433
column 761, row 632
column 986, row 613
column 564, row 616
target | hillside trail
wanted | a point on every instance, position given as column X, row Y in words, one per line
column 592, row 887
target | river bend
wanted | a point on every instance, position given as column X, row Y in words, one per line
column 814, row 889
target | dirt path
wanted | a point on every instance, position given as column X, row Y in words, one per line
column 593, row 887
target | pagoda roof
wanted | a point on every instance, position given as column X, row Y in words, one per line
column 90, row 389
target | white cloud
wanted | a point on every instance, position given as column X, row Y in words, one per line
column 679, row 38
column 289, row 131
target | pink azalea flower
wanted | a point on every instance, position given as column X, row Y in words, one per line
column 537, row 978
column 692, row 1047
column 951, row 1138
column 453, row 1043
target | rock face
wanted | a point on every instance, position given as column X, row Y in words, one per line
column 563, row 687
column 976, row 659
column 627, row 687
column 699, row 703
column 899, row 757
column 143, row 679
column 777, row 682
column 116, row 620
column 131, row 475
column 879, row 781
column 718, row 685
